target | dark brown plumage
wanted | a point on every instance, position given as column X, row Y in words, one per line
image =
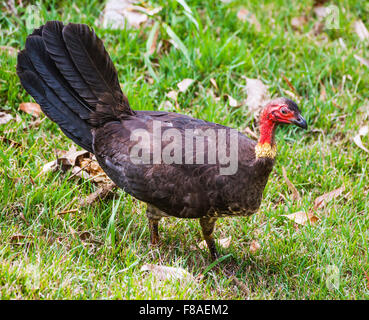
column 69, row 73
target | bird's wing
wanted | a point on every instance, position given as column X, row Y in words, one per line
column 174, row 187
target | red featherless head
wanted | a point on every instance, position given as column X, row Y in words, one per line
column 281, row 110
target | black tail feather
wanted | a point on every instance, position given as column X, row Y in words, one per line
column 54, row 42
column 71, row 76
column 50, row 74
column 93, row 62
column 71, row 124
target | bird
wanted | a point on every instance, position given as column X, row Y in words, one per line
column 178, row 165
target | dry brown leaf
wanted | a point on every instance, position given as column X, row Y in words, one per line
column 119, row 14
column 69, row 158
column 302, row 218
column 362, row 60
column 214, row 83
column 31, row 108
column 318, row 28
column 321, row 12
column 257, row 95
column 172, row 94
column 78, row 172
column 321, row 201
column 100, row 193
column 297, row 23
column 245, row 15
column 224, row 243
column 232, row 101
column 5, row 117
column 357, row 139
column 93, row 169
column 295, row 193
column 184, row 84
column 166, row 106
column 11, row 142
column 67, row 211
column 323, row 92
column 361, row 30
column 163, row 273
column 50, row 166
column 17, row 237
column 254, row 246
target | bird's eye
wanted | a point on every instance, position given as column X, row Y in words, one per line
column 284, row 111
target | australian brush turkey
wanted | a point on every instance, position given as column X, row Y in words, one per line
column 149, row 154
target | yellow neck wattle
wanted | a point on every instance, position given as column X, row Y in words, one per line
column 265, row 150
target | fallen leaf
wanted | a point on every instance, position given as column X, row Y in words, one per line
column 254, row 246
column 257, row 95
column 323, row 92
column 67, row 211
column 11, row 142
column 78, row 172
column 166, row 106
column 18, row 237
column 214, row 83
column 119, row 14
column 298, row 22
column 245, row 15
column 302, row 218
column 172, row 94
column 224, row 243
column 184, row 84
column 30, row 108
column 321, row 12
column 321, row 201
column 163, row 273
column 295, row 193
column 100, row 193
column 68, row 159
column 361, row 30
column 357, row 139
column 318, row 28
column 50, row 166
column 5, row 117
column 232, row 101
column 362, row 60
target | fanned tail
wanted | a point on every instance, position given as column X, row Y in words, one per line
column 67, row 70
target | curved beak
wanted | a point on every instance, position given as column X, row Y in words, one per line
column 300, row 122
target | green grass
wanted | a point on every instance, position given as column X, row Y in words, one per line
column 52, row 262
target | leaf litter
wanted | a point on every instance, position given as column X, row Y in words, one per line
column 163, row 273
column 302, row 218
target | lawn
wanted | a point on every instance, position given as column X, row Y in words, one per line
column 43, row 254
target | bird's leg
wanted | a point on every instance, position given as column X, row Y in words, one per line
column 207, row 225
column 154, row 232
column 153, row 214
